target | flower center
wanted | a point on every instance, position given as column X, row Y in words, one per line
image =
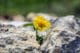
column 41, row 25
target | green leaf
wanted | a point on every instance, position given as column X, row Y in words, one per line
column 29, row 24
column 39, row 39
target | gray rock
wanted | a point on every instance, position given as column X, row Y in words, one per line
column 16, row 50
column 21, row 40
column 64, row 31
column 17, row 40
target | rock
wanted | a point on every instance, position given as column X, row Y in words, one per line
column 16, row 50
column 18, row 18
column 3, row 50
column 17, row 40
column 65, row 31
column 63, row 37
column 32, row 15
column 78, row 33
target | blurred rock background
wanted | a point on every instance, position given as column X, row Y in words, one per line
column 21, row 8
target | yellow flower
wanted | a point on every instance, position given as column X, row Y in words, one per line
column 41, row 24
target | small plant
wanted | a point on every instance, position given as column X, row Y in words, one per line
column 39, row 24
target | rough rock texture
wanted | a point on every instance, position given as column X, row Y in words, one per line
column 17, row 40
column 64, row 37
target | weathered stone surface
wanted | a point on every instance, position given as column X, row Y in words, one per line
column 17, row 40
column 64, row 37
